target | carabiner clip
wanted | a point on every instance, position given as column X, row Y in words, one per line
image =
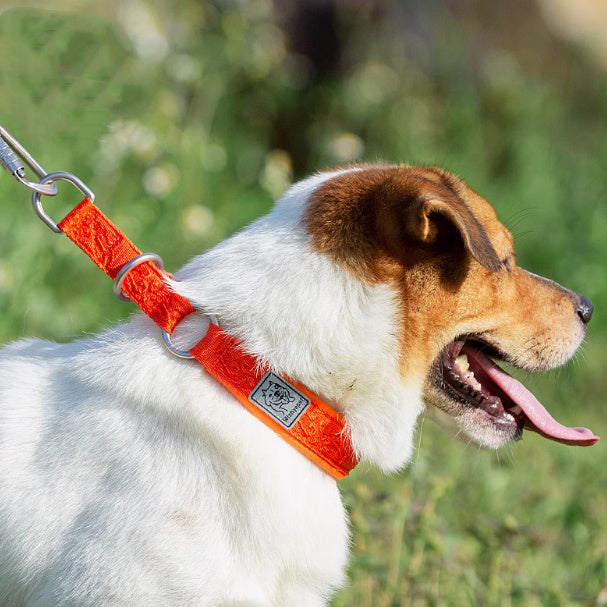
column 11, row 151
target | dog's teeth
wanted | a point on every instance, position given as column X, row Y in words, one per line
column 469, row 377
column 462, row 362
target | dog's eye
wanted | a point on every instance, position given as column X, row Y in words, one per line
column 508, row 263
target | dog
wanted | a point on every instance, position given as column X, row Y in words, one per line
column 131, row 477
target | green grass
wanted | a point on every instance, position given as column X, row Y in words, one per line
column 181, row 150
column 522, row 526
column 463, row 527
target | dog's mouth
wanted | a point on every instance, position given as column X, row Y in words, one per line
column 467, row 374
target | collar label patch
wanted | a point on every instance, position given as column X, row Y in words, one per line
column 279, row 399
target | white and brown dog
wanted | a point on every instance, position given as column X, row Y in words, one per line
column 129, row 477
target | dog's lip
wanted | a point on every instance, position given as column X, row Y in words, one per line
column 515, row 399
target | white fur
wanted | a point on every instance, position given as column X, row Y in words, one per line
column 129, row 477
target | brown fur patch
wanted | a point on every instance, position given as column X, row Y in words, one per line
column 365, row 217
column 451, row 261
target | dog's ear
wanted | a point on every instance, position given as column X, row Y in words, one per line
column 348, row 214
column 423, row 225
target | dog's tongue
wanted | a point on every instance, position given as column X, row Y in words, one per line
column 538, row 419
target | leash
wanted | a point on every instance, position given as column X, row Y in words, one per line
column 299, row 416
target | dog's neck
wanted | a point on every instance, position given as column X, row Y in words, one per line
column 299, row 313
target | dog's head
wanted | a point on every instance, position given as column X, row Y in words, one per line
column 464, row 302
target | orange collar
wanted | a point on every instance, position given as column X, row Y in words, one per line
column 298, row 416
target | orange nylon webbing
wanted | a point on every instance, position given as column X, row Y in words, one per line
column 110, row 249
column 318, row 432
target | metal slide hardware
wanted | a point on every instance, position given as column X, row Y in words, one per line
column 12, row 153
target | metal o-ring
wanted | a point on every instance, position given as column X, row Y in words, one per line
column 176, row 351
column 127, row 267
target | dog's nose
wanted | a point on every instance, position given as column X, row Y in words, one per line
column 584, row 309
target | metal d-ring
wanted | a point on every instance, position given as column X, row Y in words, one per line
column 51, row 178
column 127, row 267
column 184, row 353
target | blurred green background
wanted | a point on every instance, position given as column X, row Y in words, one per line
column 188, row 118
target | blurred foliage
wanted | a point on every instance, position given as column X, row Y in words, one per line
column 188, row 118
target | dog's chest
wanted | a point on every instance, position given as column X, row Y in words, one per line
column 271, row 535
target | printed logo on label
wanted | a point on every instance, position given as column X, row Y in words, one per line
column 279, row 399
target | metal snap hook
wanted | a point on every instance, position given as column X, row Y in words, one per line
column 11, row 154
